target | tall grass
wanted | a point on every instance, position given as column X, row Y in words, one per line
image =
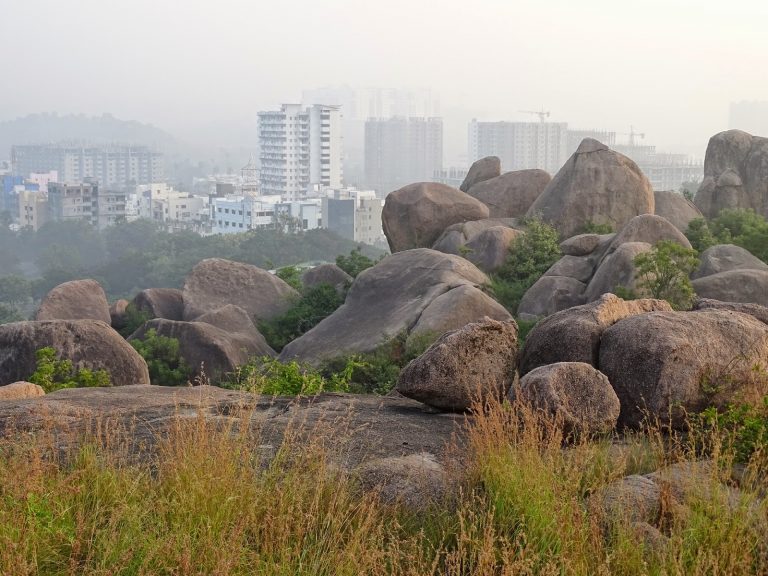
column 213, row 500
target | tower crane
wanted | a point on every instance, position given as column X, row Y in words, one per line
column 542, row 114
column 632, row 135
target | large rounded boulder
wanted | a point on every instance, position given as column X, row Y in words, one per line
column 455, row 237
column 550, row 294
column 416, row 215
column 511, row 194
column 389, row 299
column 473, row 364
column 165, row 303
column 480, row 171
column 726, row 257
column 742, row 285
column 596, row 185
column 664, row 365
column 216, row 282
column 488, row 250
column 329, row 274
column 648, row 228
column 75, row 300
column 676, row 208
column 90, row 344
column 617, row 270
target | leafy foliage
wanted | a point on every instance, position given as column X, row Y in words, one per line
column 314, row 304
column 134, row 319
column 745, row 427
column 595, row 228
column 272, row 377
column 744, row 228
column 699, row 234
column 53, row 374
column 9, row 314
column 356, row 262
column 291, row 275
column 166, row 365
column 664, row 273
column 530, row 255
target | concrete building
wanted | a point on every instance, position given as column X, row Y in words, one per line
column 173, row 209
column 354, row 214
column 112, row 166
column 751, row 117
column 33, row 209
column 451, row 176
column 400, row 151
column 520, row 145
column 300, row 146
column 665, row 171
column 233, row 214
column 43, row 179
column 86, row 201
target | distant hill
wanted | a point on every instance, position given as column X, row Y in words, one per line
column 43, row 128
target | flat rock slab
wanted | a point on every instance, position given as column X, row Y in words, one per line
column 363, row 427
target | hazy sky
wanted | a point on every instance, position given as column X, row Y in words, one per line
column 668, row 67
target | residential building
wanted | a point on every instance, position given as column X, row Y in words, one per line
column 233, row 214
column 354, row 214
column 86, row 201
column 400, row 151
column 451, row 176
column 665, row 171
column 299, row 215
column 43, row 179
column 111, row 166
column 33, row 209
column 300, row 146
column 173, row 209
column 751, row 117
column 10, row 188
column 520, row 145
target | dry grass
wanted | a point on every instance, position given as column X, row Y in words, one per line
column 208, row 503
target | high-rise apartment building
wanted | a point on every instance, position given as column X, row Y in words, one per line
column 112, row 166
column 520, row 145
column 300, row 146
column 400, row 151
column 665, row 171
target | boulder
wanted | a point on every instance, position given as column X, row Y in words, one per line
column 385, row 301
column 650, row 229
column 416, row 215
column 475, row 363
column 735, row 174
column 617, row 269
column 215, row 282
column 744, row 286
column 754, row 310
column 664, row 364
column 454, row 309
column 20, row 390
column 456, row 236
column 481, row 170
column 575, row 393
column 88, row 344
column 585, row 244
column 633, row 498
column 488, row 250
column 511, row 195
column 580, row 268
column 725, row 257
column 216, row 348
column 674, row 207
column 117, row 310
column 329, row 274
column 75, row 300
column 574, row 335
column 596, row 185
column 550, row 294
column 165, row 303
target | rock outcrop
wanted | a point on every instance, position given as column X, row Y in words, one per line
column 550, row 294
column 618, row 269
column 664, row 364
column 595, row 185
column 329, row 274
column 416, row 215
column 215, row 282
column 87, row 343
column 744, row 285
column 724, row 258
column 481, row 170
column 475, row 363
column 650, row 229
column 573, row 393
column 674, row 207
column 165, row 303
column 735, row 174
column 20, row 390
column 574, row 335
column 511, row 194
column 117, row 314
column 585, row 244
column 75, row 300
column 456, row 236
column 754, row 310
column 488, row 250
column 416, row 481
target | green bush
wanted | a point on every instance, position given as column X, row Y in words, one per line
column 744, row 228
column 530, row 255
column 166, row 366
column 664, row 273
column 53, row 374
column 9, row 314
column 272, row 377
column 291, row 275
column 745, row 427
column 314, row 304
column 594, row 228
column 134, row 319
column 356, row 262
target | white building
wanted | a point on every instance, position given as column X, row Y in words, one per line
column 233, row 214
column 174, row 209
column 300, row 147
column 354, row 214
column 86, row 201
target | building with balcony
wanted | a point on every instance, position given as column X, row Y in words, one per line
column 87, row 202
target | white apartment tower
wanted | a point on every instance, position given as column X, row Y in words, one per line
column 300, row 147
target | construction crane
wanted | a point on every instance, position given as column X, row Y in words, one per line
column 632, row 135
column 542, row 114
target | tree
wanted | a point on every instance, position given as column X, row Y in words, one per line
column 699, row 234
column 688, row 189
column 355, row 263
column 14, row 289
column 664, row 273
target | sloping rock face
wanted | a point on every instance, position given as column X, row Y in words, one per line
column 213, row 350
column 573, row 392
column 414, row 216
column 585, row 244
column 667, row 363
column 726, row 257
column 481, row 170
column 648, row 228
column 488, row 250
column 456, row 236
column 473, row 364
column 384, row 301
column 511, row 194
column 674, row 207
column 618, row 269
column 595, row 185
column 574, row 335
column 215, row 282
column 87, row 343
column 165, row 303
column 735, row 174
column 744, row 285
column 329, row 274
column 75, row 300
column 550, row 294
column 754, row 310
column 20, row 390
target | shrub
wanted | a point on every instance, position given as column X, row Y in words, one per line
column 745, row 427
column 744, row 228
column 664, row 273
column 9, row 314
column 596, row 228
column 134, row 319
column 53, row 374
column 166, row 366
column 272, row 377
column 356, row 262
column 291, row 275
